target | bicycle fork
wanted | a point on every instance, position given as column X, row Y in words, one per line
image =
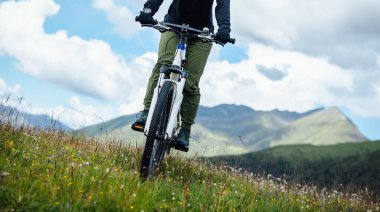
column 178, row 79
column 176, row 102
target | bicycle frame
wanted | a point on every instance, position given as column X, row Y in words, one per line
column 178, row 79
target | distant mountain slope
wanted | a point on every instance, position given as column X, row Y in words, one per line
column 236, row 129
column 352, row 164
column 40, row 122
column 108, row 126
column 324, row 127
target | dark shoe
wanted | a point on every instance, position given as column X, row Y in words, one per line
column 139, row 124
column 182, row 141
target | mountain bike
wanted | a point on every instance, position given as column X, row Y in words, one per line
column 163, row 121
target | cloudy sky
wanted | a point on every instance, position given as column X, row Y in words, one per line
column 87, row 61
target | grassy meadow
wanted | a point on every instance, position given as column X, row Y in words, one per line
column 56, row 171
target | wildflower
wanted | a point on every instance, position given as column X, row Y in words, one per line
column 107, row 170
column 131, row 206
column 4, row 174
column 122, row 186
column 10, row 144
column 134, row 195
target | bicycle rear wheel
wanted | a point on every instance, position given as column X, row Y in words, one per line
column 155, row 146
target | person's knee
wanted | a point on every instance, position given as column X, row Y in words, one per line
column 192, row 90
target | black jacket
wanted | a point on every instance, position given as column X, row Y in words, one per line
column 196, row 13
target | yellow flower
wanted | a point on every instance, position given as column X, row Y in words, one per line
column 10, row 144
column 131, row 206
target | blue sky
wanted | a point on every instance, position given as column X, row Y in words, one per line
column 88, row 61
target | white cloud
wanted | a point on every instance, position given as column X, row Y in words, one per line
column 74, row 113
column 343, row 30
column 121, row 17
column 6, row 90
column 88, row 67
column 309, row 81
column 367, row 106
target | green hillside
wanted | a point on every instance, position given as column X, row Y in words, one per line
column 52, row 171
column 356, row 165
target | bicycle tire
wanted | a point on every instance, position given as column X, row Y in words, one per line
column 155, row 146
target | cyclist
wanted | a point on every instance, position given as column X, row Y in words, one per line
column 197, row 14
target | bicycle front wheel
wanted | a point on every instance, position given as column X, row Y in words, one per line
column 155, row 146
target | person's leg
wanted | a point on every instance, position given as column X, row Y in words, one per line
column 197, row 55
column 167, row 48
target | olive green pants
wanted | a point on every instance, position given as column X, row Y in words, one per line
column 197, row 54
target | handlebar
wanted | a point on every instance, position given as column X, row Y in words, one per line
column 203, row 35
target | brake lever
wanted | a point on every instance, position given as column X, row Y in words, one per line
column 158, row 26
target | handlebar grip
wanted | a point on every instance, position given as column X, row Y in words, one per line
column 137, row 19
column 232, row 40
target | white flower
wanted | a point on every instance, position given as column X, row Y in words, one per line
column 107, row 170
column 4, row 174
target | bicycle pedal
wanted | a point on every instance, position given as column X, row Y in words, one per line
column 138, row 128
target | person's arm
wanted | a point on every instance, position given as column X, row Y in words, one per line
column 222, row 14
column 153, row 5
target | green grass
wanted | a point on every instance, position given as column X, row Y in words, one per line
column 54, row 171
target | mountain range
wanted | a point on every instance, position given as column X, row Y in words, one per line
column 236, row 129
column 39, row 122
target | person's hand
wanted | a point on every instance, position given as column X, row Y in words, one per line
column 146, row 18
column 223, row 37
